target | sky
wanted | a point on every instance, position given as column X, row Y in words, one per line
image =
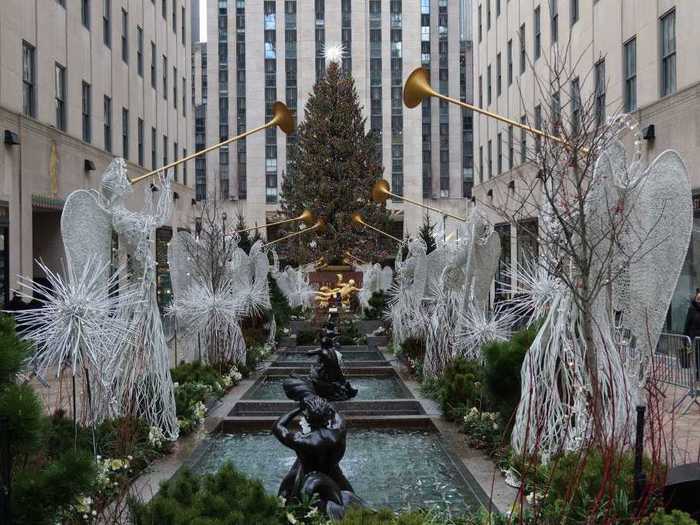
column 203, row 21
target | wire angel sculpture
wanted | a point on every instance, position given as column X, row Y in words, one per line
column 294, row 283
column 374, row 279
column 74, row 330
column 640, row 225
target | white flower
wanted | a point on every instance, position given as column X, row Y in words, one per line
column 155, row 437
column 291, row 519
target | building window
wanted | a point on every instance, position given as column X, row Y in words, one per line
column 107, row 108
column 175, row 87
column 499, row 153
column 488, row 14
column 183, row 22
column 174, row 19
column 184, row 167
column 481, row 164
column 523, row 140
column 345, row 33
column 556, row 112
column 60, row 96
column 154, row 66
column 490, row 159
column 481, row 27
column 139, row 138
column 575, row 105
column 165, row 151
column 488, row 85
column 125, row 36
column 184, row 96
column 154, row 148
column 538, row 125
column 125, row 133
column 537, row 41
column 270, row 40
column 139, row 51
column 498, row 8
column 498, row 75
column 574, row 11
column 523, row 57
column 510, row 148
column 85, row 13
column 165, row 77
column 107, row 22
column 630, row 65
column 668, row 54
column 554, row 20
column 481, row 92
column 320, row 32
column 600, row 92
column 175, row 158
column 510, row 62
column 86, row 110
column 164, row 9
column 28, row 80
column 375, row 71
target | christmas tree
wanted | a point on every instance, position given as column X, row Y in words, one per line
column 332, row 168
column 427, row 233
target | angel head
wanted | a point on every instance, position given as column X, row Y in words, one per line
column 115, row 183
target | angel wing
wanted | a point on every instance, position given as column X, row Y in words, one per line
column 86, row 228
column 179, row 261
column 483, row 265
column 661, row 225
column 387, row 278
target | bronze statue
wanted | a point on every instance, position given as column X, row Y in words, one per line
column 316, row 470
column 326, row 378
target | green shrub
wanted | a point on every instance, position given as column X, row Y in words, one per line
column 279, row 306
column 254, row 356
column 306, row 338
column 460, row 388
column 349, row 333
column 580, row 485
column 377, row 305
column 40, row 495
column 22, row 408
column 674, row 517
column 13, row 352
column 197, row 372
column 226, row 497
column 502, row 364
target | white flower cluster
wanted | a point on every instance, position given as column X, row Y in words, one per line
column 109, row 468
column 474, row 416
column 155, row 437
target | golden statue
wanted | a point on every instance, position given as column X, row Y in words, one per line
column 343, row 289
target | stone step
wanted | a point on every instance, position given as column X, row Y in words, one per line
column 232, row 424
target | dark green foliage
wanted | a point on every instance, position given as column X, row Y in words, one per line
column 225, row 498
column 427, row 233
column 349, row 333
column 595, row 483
column 22, row 408
column 413, row 348
column 306, row 338
column 377, row 305
column 280, row 308
column 502, row 364
column 196, row 372
column 253, row 357
column 13, row 352
column 38, row 494
column 245, row 241
column 332, row 168
column 674, row 517
column 460, row 388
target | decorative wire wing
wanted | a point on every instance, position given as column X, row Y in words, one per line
column 180, row 262
column 86, row 228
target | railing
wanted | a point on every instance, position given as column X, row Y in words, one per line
column 676, row 362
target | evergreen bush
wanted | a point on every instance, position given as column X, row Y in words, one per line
column 224, row 498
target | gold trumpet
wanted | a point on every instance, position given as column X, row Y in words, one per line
column 281, row 117
column 357, row 218
column 381, row 191
column 418, row 87
column 307, row 217
column 320, row 226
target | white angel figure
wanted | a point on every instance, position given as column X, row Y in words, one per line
column 142, row 373
column 294, row 285
column 640, row 226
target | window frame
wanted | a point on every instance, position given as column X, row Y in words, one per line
column 668, row 86
column 630, row 78
column 60, row 95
